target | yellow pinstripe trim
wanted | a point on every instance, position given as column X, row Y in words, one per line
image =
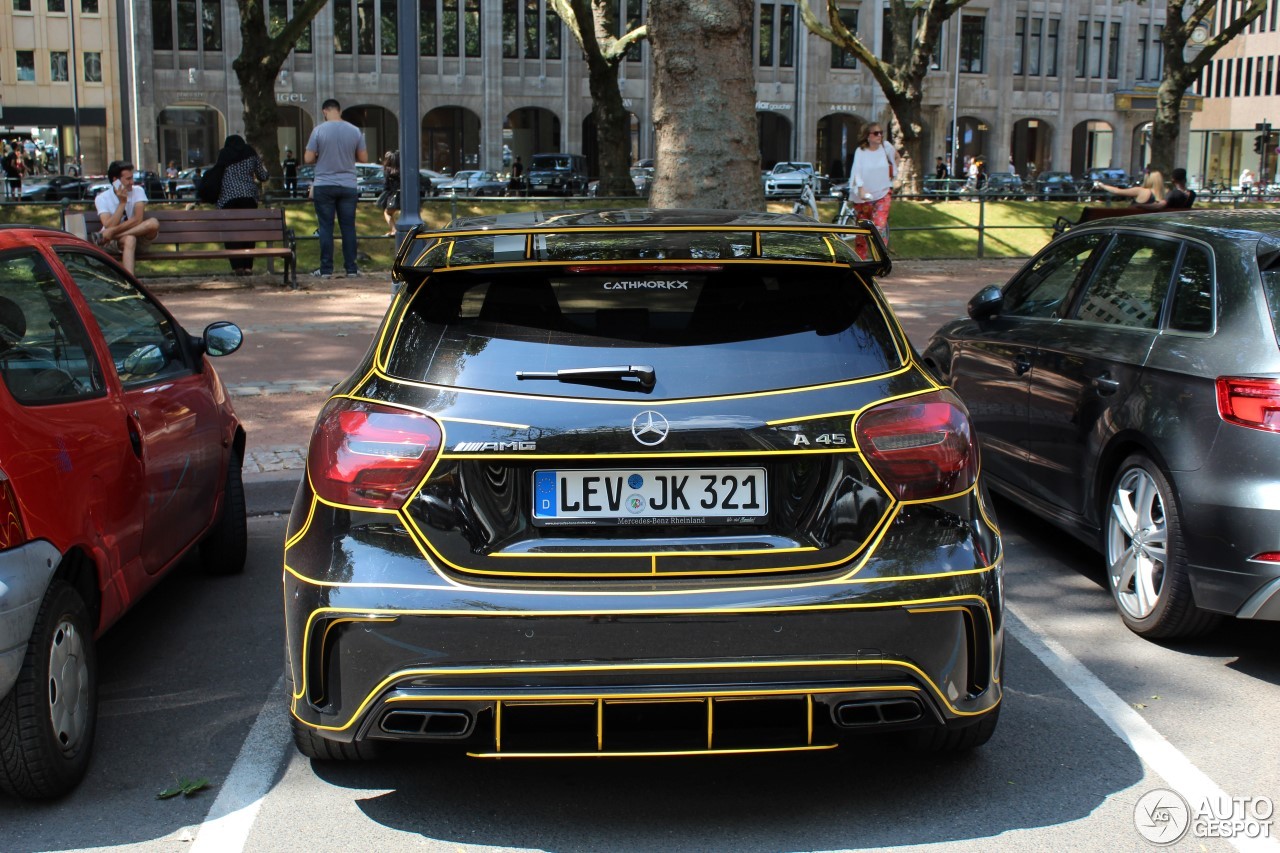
column 618, row 668
column 665, row 753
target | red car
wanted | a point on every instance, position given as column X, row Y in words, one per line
column 119, row 452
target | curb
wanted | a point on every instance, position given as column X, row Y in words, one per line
column 270, row 492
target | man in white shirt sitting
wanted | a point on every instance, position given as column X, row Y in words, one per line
column 121, row 209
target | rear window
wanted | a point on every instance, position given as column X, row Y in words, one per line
column 548, row 164
column 1271, row 287
column 731, row 331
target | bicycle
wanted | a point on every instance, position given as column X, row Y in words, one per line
column 806, row 199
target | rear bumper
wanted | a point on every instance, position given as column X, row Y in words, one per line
column 24, row 577
column 381, row 645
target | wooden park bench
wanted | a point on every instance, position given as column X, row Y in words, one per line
column 1089, row 214
column 192, row 235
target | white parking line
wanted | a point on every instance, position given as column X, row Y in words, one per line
column 226, row 827
column 1148, row 744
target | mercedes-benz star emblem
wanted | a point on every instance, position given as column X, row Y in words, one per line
column 650, row 428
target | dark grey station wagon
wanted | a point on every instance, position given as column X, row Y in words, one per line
column 1125, row 384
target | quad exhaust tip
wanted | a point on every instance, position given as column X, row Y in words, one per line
column 427, row 724
column 878, row 712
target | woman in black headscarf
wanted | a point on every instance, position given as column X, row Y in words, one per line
column 242, row 173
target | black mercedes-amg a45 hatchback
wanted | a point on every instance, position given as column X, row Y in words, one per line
column 641, row 482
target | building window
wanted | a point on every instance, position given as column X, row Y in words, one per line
column 161, row 25
column 764, row 36
column 341, row 27
column 1157, row 44
column 786, row 36
column 1051, row 48
column 278, row 17
column 471, row 27
column 26, row 66
column 972, row 42
column 58, row 7
column 92, row 67
column 1142, row 52
column 22, row 5
column 1082, row 48
column 553, row 41
column 532, row 29
column 510, row 29
column 1270, row 72
column 427, row 27
column 1019, row 44
column 58, row 66
column 842, row 58
column 1113, row 52
column 1096, row 64
column 88, row 7
column 211, row 24
column 389, row 26
column 366, row 27
column 634, row 19
column 1034, row 46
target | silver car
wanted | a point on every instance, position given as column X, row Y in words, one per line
column 1125, row 385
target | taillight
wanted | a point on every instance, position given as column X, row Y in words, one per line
column 1267, row 557
column 365, row 454
column 921, row 447
column 12, row 531
column 1248, row 402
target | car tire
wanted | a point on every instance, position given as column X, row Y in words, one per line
column 940, row 741
column 225, row 547
column 47, row 721
column 1152, row 595
column 320, row 748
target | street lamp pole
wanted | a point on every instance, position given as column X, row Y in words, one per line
column 955, row 105
column 75, row 86
column 410, row 129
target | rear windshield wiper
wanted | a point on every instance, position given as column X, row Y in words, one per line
column 639, row 375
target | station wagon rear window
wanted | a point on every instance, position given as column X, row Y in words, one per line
column 706, row 332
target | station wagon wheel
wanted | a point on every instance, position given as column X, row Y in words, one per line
column 47, row 721
column 1146, row 555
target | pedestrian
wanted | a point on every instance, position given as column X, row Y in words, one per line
column 290, row 173
column 871, row 179
column 940, row 169
column 389, row 201
column 1247, row 179
column 335, row 147
column 171, row 173
column 122, row 211
column 13, row 169
column 1151, row 193
column 243, row 172
column 1178, row 197
column 1013, row 170
column 516, row 184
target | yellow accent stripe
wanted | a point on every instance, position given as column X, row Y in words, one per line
column 654, row 754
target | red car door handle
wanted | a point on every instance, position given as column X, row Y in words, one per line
column 135, row 434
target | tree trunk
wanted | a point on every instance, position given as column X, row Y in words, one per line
column 1167, row 126
column 257, row 90
column 613, row 121
column 704, row 112
column 907, row 125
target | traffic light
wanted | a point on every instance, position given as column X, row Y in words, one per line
column 1259, row 144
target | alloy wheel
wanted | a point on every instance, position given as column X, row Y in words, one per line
column 1137, row 543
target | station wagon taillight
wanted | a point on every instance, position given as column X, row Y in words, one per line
column 921, row 447
column 12, row 531
column 370, row 455
column 1253, row 403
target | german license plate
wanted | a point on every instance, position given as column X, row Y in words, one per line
column 650, row 496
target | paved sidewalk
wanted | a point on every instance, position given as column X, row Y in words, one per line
column 299, row 343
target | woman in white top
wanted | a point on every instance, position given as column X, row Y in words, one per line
column 871, row 179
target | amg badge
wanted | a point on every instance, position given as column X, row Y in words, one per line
column 481, row 446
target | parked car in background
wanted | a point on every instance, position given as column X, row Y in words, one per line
column 1059, row 186
column 782, row 549
column 429, row 182
column 370, row 180
column 1125, row 385
column 641, row 178
column 557, row 174
column 119, row 453
column 1003, row 185
column 55, row 188
column 788, row 179
column 1113, row 177
column 472, row 182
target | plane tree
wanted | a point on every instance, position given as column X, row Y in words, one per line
column 595, row 26
column 912, row 37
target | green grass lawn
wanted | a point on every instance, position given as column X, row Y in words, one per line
column 918, row 229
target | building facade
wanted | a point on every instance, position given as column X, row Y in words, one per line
column 1041, row 84
column 59, row 80
column 1241, row 90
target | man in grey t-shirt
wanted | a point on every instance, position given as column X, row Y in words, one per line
column 335, row 147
